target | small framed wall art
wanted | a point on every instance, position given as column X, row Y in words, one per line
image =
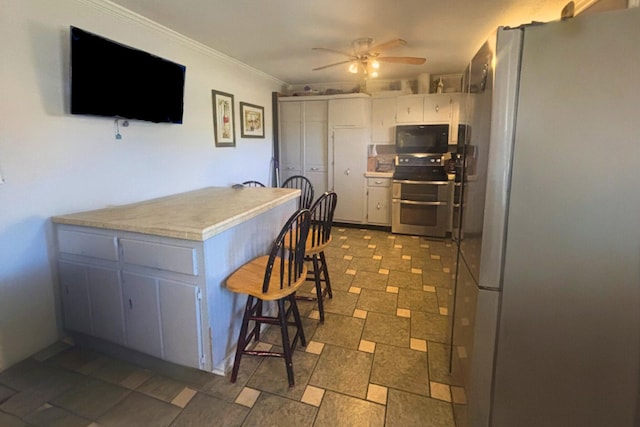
column 252, row 118
column 223, row 127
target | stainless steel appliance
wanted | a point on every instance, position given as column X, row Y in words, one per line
column 546, row 301
column 422, row 138
column 420, row 195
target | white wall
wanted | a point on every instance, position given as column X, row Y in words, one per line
column 54, row 163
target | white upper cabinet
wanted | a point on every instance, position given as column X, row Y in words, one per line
column 410, row 109
column 383, row 119
column 437, row 108
column 349, row 112
column 304, row 141
column 291, row 136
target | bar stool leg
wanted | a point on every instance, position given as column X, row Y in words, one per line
column 298, row 319
column 242, row 339
column 282, row 314
column 325, row 272
column 316, row 276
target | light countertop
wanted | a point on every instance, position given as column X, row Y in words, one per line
column 194, row 215
column 378, row 174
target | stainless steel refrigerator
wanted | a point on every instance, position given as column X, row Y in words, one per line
column 546, row 328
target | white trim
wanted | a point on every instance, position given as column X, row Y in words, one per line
column 109, row 7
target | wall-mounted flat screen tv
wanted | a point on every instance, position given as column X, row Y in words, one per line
column 113, row 80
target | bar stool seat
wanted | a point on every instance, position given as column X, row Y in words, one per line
column 248, row 279
column 275, row 277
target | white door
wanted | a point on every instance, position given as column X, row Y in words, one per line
column 106, row 304
column 437, row 108
column 383, row 119
column 76, row 306
column 142, row 317
column 180, row 321
column 349, row 167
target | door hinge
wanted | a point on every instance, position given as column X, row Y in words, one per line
column 198, row 294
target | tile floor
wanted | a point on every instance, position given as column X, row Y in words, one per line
column 379, row 359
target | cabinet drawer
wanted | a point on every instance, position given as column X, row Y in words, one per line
column 378, row 182
column 88, row 244
column 179, row 259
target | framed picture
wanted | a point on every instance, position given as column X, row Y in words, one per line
column 223, row 128
column 252, row 118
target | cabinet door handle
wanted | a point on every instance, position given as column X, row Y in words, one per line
column 437, row 108
column 378, row 182
column 408, row 110
column 347, row 172
column 315, row 169
column 130, row 304
column 378, row 207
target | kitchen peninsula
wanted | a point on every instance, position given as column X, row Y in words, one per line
column 149, row 276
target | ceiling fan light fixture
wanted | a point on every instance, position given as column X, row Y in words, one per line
column 353, row 68
column 375, row 64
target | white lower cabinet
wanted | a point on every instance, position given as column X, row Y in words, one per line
column 140, row 294
column 163, row 318
column 180, row 320
column 142, row 314
column 378, row 201
column 92, row 300
column 107, row 310
column 74, row 290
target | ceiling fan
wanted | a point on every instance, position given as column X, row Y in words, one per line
column 365, row 56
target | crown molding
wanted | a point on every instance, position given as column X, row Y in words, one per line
column 110, row 8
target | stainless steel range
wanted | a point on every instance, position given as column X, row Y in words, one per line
column 421, row 195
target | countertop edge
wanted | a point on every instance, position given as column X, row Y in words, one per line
column 193, row 234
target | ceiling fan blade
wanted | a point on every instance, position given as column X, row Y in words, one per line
column 387, row 45
column 402, row 59
column 333, row 51
column 332, row 65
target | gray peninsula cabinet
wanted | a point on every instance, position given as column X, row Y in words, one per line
column 149, row 277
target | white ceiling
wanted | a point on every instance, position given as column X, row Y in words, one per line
column 276, row 36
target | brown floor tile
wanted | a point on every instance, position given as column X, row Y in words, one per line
column 417, row 300
column 407, row 409
column 387, row 329
column 271, row 410
column 140, row 410
column 50, row 416
column 92, row 398
column 205, row 410
column 343, row 370
column 401, row 368
column 378, row 301
column 403, row 279
column 343, row 331
column 430, row 327
column 271, row 375
column 370, row 280
column 340, row 410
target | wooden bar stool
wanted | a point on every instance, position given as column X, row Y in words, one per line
column 274, row 277
column 306, row 189
column 319, row 238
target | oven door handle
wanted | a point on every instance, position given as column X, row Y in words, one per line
column 408, row 181
column 411, row 202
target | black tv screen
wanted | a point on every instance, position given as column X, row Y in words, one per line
column 114, row 80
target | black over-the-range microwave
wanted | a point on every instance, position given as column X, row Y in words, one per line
column 422, row 138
